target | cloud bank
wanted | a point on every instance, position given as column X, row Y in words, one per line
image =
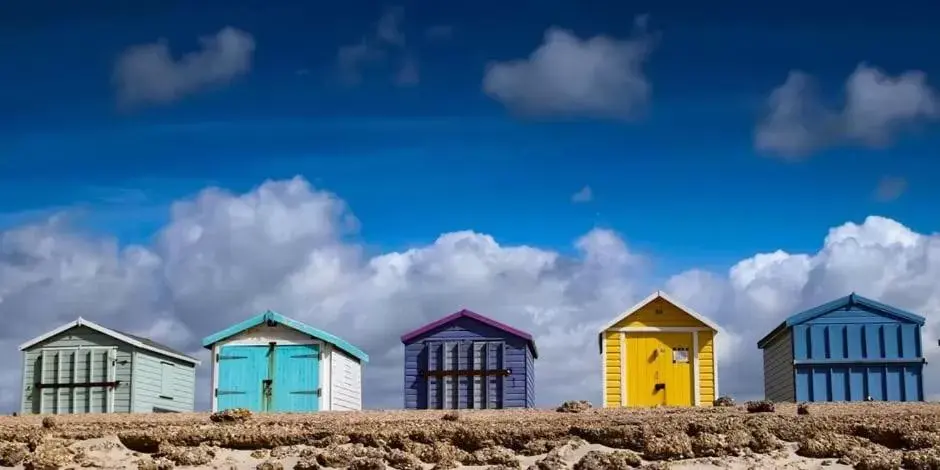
column 285, row 246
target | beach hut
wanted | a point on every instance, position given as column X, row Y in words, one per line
column 272, row 363
column 468, row 361
column 849, row 349
column 659, row 353
column 83, row 367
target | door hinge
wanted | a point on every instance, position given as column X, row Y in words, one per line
column 320, row 392
column 217, row 357
column 216, row 392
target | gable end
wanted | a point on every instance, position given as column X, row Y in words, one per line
column 855, row 302
column 476, row 318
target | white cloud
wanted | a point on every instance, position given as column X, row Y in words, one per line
column 600, row 77
column 148, row 73
column 585, row 194
column 877, row 108
column 223, row 257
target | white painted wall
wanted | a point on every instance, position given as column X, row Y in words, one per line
column 347, row 382
column 261, row 335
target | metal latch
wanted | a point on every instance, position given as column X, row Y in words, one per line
column 659, row 387
column 266, row 387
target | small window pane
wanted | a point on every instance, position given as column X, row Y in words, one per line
column 680, row 355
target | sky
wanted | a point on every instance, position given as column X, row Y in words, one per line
column 170, row 168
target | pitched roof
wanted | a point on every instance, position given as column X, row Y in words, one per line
column 407, row 337
column 659, row 295
column 842, row 302
column 134, row 340
column 272, row 316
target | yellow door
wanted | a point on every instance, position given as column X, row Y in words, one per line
column 659, row 369
column 676, row 367
column 643, row 370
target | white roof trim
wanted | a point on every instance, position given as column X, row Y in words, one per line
column 105, row 331
column 660, row 295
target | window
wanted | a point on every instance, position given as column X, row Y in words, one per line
column 166, row 380
column 680, row 355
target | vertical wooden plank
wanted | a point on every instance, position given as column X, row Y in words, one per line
column 445, row 385
column 73, row 407
column 91, row 375
column 696, row 373
column 58, row 380
column 448, row 383
column 42, row 380
column 429, row 352
column 112, row 376
column 503, row 379
column 604, row 371
column 623, row 369
column 439, row 357
column 472, row 380
column 485, row 381
column 463, row 382
column 107, row 389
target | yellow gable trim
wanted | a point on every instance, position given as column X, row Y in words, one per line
column 660, row 295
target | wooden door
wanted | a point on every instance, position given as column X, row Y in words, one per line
column 242, row 371
column 296, row 378
column 659, row 369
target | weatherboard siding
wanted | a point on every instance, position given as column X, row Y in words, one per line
column 613, row 368
column 346, row 374
column 706, row 364
column 778, row 369
column 162, row 384
column 450, row 346
column 850, row 353
column 529, row 378
column 62, row 348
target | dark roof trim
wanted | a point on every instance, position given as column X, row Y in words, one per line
column 407, row 337
column 843, row 302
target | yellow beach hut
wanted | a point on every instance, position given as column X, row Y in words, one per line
column 659, row 353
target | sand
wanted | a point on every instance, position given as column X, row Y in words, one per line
column 865, row 435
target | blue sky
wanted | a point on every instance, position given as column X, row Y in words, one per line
column 683, row 182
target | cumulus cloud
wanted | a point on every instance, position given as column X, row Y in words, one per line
column 600, row 77
column 877, row 108
column 285, row 246
column 148, row 73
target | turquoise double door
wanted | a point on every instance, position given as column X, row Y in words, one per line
column 278, row 379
